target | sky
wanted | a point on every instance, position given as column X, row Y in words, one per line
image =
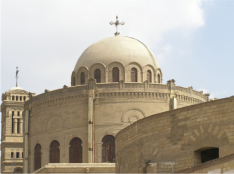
column 193, row 40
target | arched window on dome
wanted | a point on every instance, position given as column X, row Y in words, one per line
column 108, row 149
column 54, row 152
column 82, row 78
column 97, row 75
column 149, row 76
column 159, row 81
column 73, row 81
column 115, row 74
column 37, row 157
column 75, row 151
column 133, row 75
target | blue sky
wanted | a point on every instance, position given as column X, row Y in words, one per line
column 193, row 40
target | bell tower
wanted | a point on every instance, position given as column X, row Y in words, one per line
column 12, row 130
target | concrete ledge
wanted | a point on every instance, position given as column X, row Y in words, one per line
column 77, row 168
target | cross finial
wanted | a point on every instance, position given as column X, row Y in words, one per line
column 17, row 71
column 116, row 25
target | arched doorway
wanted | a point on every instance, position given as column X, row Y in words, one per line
column 54, row 152
column 108, row 149
column 75, row 151
column 37, row 157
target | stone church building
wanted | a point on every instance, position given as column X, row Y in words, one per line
column 116, row 83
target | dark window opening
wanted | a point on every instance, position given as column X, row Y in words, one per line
column 75, row 151
column 12, row 154
column 22, row 154
column 16, row 98
column 54, row 152
column 17, row 126
column 20, row 98
column 108, row 149
column 209, row 154
column 37, row 157
column 12, row 113
column 159, row 78
column 24, row 98
column 115, row 74
column 82, row 78
column 18, row 113
column 149, row 76
column 17, row 154
column 97, row 75
column 74, row 81
column 133, row 75
column 13, row 98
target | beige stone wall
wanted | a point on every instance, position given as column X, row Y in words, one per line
column 221, row 165
column 174, row 136
column 63, row 114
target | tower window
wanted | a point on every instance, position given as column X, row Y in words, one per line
column 12, row 154
column 18, row 113
column 17, row 154
column 74, row 81
column 82, row 78
column 13, row 98
column 16, row 98
column 115, row 74
column 97, row 75
column 22, row 154
column 133, row 75
column 20, row 98
column 24, row 98
column 12, row 113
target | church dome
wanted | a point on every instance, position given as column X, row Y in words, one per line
column 114, row 59
column 118, row 48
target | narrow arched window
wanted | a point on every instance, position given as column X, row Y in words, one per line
column 18, row 113
column 115, row 74
column 149, row 77
column 159, row 78
column 82, row 78
column 16, row 98
column 24, row 98
column 54, row 152
column 108, row 149
column 37, row 157
column 133, row 75
column 13, row 98
column 73, row 81
column 97, row 75
column 75, row 151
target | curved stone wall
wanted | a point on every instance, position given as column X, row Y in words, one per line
column 174, row 138
column 63, row 114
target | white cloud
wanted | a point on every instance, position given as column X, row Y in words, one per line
column 46, row 38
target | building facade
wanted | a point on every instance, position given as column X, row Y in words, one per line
column 12, row 129
column 116, row 82
column 193, row 139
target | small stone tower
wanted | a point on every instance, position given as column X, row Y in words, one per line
column 12, row 130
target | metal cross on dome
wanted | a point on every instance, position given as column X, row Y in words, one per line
column 116, row 25
column 17, row 72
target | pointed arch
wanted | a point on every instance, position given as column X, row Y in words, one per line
column 75, row 151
